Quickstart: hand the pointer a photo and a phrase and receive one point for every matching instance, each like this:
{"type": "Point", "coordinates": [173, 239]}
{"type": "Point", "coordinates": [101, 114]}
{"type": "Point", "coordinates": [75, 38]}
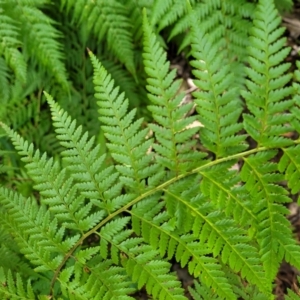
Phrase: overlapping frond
{"type": "Point", "coordinates": [273, 232]}
{"type": "Point", "coordinates": [4, 79]}
{"type": "Point", "coordinates": [37, 233]}
{"type": "Point", "coordinates": [12, 286]}
{"type": "Point", "coordinates": [289, 163]}
{"type": "Point", "coordinates": [218, 103]}
{"type": "Point", "coordinates": [158, 229]}
{"type": "Point", "coordinates": [175, 14]}
{"type": "Point", "coordinates": [82, 159]}
{"type": "Point", "coordinates": [173, 128]}
{"type": "Point", "coordinates": [55, 186]}
{"type": "Point", "coordinates": [99, 279]}
{"type": "Point", "coordinates": [10, 41]}
{"type": "Point", "coordinates": [159, 9]}
{"type": "Point", "coordinates": [267, 99]}
{"type": "Point", "coordinates": [128, 142]}
{"type": "Point", "coordinates": [226, 22]}
{"type": "Point", "coordinates": [220, 234]}
{"type": "Point", "coordinates": [141, 262]}
{"type": "Point", "coordinates": [182, 188]}
{"type": "Point", "coordinates": [223, 187]}
{"type": "Point", "coordinates": [267, 83]}
{"type": "Point", "coordinates": [42, 42]}
{"type": "Point", "coordinates": [109, 21]}
{"type": "Point", "coordinates": [32, 38]}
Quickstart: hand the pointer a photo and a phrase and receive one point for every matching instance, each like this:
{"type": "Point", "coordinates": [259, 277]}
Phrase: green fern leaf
{"type": "Point", "coordinates": [223, 187]}
{"type": "Point", "coordinates": [127, 145]}
{"type": "Point", "coordinates": [61, 195]}
{"type": "Point", "coordinates": [273, 233]}
{"type": "Point", "coordinates": [218, 102]}
{"type": "Point", "coordinates": [41, 40]}
{"type": "Point", "coordinates": [267, 81]}
{"type": "Point", "coordinates": [289, 164]}
{"type": "Point", "coordinates": [108, 20]}
{"type": "Point", "coordinates": [157, 229]}
{"type": "Point", "coordinates": [173, 129]}
{"type": "Point", "coordinates": [220, 234]}
{"type": "Point", "coordinates": [10, 41]}
{"type": "Point", "coordinates": [11, 288]}
{"type": "Point", "coordinates": [37, 234]}
{"type": "Point", "coordinates": [83, 161]}
{"type": "Point", "coordinates": [101, 281]}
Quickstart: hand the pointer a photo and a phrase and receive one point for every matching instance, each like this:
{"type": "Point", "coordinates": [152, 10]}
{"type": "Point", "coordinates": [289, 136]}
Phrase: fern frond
{"type": "Point", "coordinates": [273, 231]}
{"type": "Point", "coordinates": [227, 23]}
{"type": "Point", "coordinates": [173, 130]}
{"type": "Point", "coordinates": [11, 288]}
{"type": "Point", "coordinates": [141, 262]}
{"type": "Point", "coordinates": [292, 295]}
{"type": "Point", "coordinates": [284, 5]}
{"type": "Point", "coordinates": [99, 280]}
{"type": "Point", "coordinates": [35, 231]}
{"type": "Point", "coordinates": [11, 258]}
{"type": "Point", "coordinates": [58, 192]}
{"type": "Point", "coordinates": [267, 80]}
{"type": "Point", "coordinates": [174, 15]}
{"type": "Point", "coordinates": [201, 292]}
{"type": "Point", "coordinates": [9, 42]}
{"type": "Point", "coordinates": [135, 8]}
{"type": "Point", "coordinates": [218, 102]}
{"type": "Point", "coordinates": [221, 235]}
{"type": "Point", "coordinates": [289, 163]}
{"type": "Point", "coordinates": [83, 160]}
{"type": "Point", "coordinates": [159, 9]}
{"type": "Point", "coordinates": [223, 187]}
{"type": "Point", "coordinates": [109, 21]}
{"type": "Point", "coordinates": [4, 79]}
{"type": "Point", "coordinates": [40, 40]}
{"type": "Point", "coordinates": [157, 228]}
{"type": "Point", "coordinates": [128, 146]}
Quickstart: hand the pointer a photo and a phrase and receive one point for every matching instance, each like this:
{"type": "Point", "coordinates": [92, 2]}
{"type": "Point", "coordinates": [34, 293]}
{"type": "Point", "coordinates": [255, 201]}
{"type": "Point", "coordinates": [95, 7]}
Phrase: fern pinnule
{"type": "Point", "coordinates": [9, 42]}
{"type": "Point", "coordinates": [174, 148]}
{"type": "Point", "coordinates": [223, 188]}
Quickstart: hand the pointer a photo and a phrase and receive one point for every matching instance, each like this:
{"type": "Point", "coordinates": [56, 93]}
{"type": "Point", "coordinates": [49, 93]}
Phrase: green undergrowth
{"type": "Point", "coordinates": [109, 174]}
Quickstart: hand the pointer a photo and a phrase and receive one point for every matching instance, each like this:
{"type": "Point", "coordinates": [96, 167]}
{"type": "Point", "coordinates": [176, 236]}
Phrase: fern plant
{"type": "Point", "coordinates": [108, 216]}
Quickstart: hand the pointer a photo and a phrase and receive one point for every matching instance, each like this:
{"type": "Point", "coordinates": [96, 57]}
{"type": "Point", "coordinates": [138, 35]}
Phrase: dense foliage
{"type": "Point", "coordinates": [109, 174]}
